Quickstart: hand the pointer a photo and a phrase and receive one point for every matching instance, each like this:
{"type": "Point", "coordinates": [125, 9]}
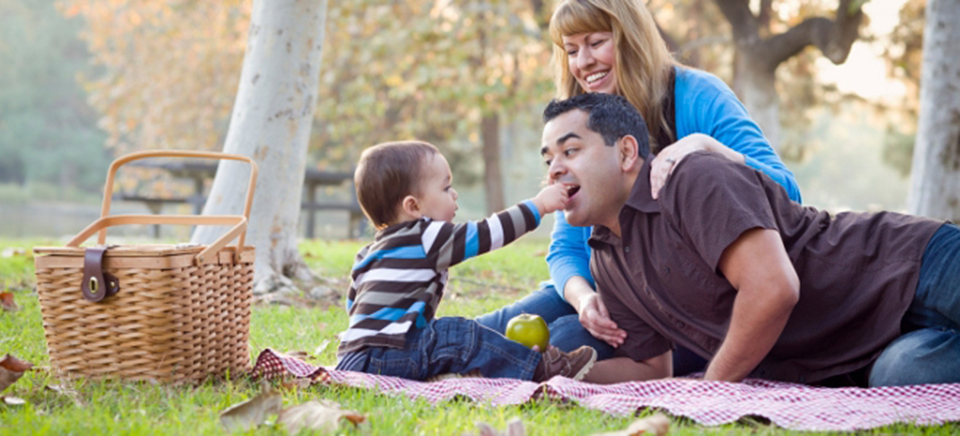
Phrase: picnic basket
{"type": "Point", "coordinates": [165, 313]}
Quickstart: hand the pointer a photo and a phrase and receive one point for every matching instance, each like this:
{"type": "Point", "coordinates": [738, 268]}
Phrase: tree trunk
{"type": "Point", "coordinates": [755, 84]}
{"type": "Point", "coordinates": [757, 56]}
{"type": "Point", "coordinates": [935, 176]}
{"type": "Point", "coordinates": [492, 177]}
{"type": "Point", "coordinates": [271, 122]}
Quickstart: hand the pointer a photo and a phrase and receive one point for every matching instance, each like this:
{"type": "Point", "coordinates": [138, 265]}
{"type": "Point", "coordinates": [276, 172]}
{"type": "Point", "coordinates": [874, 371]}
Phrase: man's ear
{"type": "Point", "coordinates": [628, 152]}
{"type": "Point", "coordinates": [411, 206]}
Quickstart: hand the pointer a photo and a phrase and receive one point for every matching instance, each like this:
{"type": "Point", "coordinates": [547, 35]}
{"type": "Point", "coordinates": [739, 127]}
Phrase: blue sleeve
{"type": "Point", "coordinates": [569, 254]}
{"type": "Point", "coordinates": [707, 105]}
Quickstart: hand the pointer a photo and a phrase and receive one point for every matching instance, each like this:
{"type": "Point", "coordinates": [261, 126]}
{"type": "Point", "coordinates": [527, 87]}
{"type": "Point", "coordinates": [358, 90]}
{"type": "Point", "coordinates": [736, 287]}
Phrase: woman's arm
{"type": "Point", "coordinates": [706, 105]}
{"type": "Point", "coordinates": [569, 254]}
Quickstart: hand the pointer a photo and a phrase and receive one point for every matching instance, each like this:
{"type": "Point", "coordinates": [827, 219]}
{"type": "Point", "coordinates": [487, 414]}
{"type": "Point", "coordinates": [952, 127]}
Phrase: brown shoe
{"type": "Point", "coordinates": [574, 364]}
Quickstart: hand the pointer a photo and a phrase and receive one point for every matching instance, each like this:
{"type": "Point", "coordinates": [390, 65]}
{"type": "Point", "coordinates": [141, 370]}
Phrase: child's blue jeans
{"type": "Point", "coordinates": [447, 345]}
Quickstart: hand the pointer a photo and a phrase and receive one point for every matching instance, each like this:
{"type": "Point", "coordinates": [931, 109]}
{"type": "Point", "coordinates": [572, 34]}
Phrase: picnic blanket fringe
{"type": "Point", "coordinates": [791, 406]}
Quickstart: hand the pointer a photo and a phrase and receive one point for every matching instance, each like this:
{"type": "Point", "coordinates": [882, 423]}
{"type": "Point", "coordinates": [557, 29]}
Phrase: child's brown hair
{"type": "Point", "coordinates": [386, 174]}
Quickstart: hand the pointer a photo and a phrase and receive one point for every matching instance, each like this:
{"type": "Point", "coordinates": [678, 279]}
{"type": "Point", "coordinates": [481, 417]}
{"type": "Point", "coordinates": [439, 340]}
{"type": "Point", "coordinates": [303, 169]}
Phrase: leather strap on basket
{"type": "Point", "coordinates": [97, 284]}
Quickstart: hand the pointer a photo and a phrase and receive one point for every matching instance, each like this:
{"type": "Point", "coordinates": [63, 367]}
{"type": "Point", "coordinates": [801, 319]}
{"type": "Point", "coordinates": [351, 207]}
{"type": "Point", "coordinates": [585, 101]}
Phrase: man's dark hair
{"type": "Point", "coordinates": [610, 115]}
{"type": "Point", "coordinates": [386, 174]}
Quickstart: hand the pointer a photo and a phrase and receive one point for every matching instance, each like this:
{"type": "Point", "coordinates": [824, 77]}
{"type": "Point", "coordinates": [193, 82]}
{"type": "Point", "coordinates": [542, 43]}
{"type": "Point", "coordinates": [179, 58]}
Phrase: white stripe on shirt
{"type": "Point", "coordinates": [430, 235]}
{"type": "Point", "coordinates": [496, 232]}
{"type": "Point", "coordinates": [395, 275]}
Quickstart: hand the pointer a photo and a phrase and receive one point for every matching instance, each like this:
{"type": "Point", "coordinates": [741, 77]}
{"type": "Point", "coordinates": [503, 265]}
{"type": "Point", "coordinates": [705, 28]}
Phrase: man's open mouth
{"type": "Point", "coordinates": [572, 190]}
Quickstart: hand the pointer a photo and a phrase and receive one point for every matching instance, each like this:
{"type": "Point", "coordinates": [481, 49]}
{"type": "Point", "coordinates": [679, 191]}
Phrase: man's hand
{"type": "Point", "coordinates": [757, 265]}
{"type": "Point", "coordinates": [552, 198]}
{"type": "Point", "coordinates": [593, 314]}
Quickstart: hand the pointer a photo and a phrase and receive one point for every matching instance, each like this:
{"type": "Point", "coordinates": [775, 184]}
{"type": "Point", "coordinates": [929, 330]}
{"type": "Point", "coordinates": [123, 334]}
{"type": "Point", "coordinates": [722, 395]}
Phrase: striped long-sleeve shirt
{"type": "Point", "coordinates": [398, 280]}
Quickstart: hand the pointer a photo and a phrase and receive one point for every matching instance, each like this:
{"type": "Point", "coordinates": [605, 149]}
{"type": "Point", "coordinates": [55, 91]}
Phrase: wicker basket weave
{"type": "Point", "coordinates": [182, 312]}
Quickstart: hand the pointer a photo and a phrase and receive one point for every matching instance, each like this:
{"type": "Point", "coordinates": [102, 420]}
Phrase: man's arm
{"type": "Point", "coordinates": [757, 265]}
{"type": "Point", "coordinates": [624, 369]}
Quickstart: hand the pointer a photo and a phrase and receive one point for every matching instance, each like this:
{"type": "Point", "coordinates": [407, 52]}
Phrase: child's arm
{"type": "Point", "coordinates": [455, 243]}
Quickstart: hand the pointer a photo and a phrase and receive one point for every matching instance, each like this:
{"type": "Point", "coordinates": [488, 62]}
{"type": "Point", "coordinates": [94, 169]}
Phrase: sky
{"type": "Point", "coordinates": [865, 73]}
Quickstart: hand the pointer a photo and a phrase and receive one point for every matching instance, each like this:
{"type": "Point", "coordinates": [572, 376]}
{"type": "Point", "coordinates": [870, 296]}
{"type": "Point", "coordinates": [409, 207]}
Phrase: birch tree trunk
{"type": "Point", "coordinates": [271, 122]}
{"type": "Point", "coordinates": [935, 176]}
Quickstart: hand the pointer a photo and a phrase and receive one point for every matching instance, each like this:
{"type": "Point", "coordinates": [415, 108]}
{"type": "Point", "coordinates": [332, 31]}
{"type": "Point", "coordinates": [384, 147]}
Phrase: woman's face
{"type": "Point", "coordinates": [591, 57]}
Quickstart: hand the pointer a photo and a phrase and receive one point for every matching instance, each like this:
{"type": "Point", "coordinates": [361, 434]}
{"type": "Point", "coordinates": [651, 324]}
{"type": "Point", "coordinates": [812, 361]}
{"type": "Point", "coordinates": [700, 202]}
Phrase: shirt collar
{"type": "Point", "coordinates": [640, 198]}
{"type": "Point", "coordinates": [389, 230]}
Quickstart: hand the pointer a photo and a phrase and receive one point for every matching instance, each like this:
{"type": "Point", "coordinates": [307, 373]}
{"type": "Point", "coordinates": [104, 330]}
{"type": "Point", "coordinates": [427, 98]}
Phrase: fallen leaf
{"type": "Point", "coordinates": [69, 393]}
{"type": "Point", "coordinates": [251, 413]}
{"type": "Point", "coordinates": [658, 425]}
{"type": "Point", "coordinates": [514, 428]}
{"type": "Point", "coordinates": [11, 369]}
{"type": "Point", "coordinates": [317, 415]}
{"type": "Point", "coordinates": [322, 347]}
{"type": "Point", "coordinates": [14, 401]}
{"type": "Point", "coordinates": [6, 300]}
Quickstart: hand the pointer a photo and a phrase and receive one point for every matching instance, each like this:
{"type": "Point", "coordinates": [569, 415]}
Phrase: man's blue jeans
{"type": "Point", "coordinates": [566, 332]}
{"type": "Point", "coordinates": [929, 351]}
{"type": "Point", "coordinates": [447, 345]}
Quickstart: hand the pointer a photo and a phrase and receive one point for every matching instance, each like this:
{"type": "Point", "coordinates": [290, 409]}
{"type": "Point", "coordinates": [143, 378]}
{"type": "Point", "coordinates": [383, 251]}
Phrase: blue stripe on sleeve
{"type": "Point", "coordinates": [533, 208]}
{"type": "Point", "coordinates": [409, 252]}
{"type": "Point", "coordinates": [472, 242]}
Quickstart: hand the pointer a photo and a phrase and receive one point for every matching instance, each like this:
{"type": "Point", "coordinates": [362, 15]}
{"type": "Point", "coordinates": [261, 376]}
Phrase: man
{"type": "Point", "coordinates": [726, 265]}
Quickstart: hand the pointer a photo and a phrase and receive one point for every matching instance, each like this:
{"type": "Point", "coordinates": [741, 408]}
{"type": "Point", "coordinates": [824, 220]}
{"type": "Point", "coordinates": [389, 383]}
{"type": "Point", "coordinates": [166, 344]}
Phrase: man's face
{"type": "Point", "coordinates": [578, 158]}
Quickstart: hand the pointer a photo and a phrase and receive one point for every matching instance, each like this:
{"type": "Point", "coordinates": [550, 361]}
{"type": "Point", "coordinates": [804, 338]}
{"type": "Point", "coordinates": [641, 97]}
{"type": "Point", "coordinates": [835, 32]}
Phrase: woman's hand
{"type": "Point", "coordinates": [668, 159]}
{"type": "Point", "coordinates": [595, 318]}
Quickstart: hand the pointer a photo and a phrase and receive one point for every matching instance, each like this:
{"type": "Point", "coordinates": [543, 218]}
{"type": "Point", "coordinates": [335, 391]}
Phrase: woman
{"type": "Point", "coordinates": [613, 46]}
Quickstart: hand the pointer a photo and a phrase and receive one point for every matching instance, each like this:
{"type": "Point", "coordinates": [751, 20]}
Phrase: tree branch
{"type": "Point", "coordinates": [742, 21]}
{"type": "Point", "coordinates": [766, 11]}
{"type": "Point", "coordinates": [833, 37]}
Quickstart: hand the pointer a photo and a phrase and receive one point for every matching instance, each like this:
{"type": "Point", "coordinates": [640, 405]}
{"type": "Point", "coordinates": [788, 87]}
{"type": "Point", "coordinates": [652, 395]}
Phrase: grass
{"type": "Point", "coordinates": [480, 285]}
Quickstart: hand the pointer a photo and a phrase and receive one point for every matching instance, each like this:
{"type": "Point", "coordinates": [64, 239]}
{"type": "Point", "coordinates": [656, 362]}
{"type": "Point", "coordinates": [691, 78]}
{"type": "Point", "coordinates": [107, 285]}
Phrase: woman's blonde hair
{"type": "Point", "coordinates": [642, 64]}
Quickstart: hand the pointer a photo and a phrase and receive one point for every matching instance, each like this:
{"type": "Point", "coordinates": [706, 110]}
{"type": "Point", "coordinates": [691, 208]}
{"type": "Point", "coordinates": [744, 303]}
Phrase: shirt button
{"type": "Point", "coordinates": [803, 379]}
{"type": "Point", "coordinates": [626, 249]}
{"type": "Point", "coordinates": [681, 324]}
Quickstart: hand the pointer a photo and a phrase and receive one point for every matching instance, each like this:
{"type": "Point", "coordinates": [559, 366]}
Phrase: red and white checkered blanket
{"type": "Point", "coordinates": [791, 406]}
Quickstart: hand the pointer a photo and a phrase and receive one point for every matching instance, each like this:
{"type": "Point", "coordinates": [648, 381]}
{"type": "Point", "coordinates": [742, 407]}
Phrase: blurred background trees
{"type": "Point", "coordinates": [467, 75]}
{"type": "Point", "coordinates": [48, 132]}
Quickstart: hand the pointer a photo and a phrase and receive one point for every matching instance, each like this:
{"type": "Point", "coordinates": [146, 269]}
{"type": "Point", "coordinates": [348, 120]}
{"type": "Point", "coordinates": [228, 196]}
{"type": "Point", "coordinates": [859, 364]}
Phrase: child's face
{"type": "Point", "coordinates": [438, 199]}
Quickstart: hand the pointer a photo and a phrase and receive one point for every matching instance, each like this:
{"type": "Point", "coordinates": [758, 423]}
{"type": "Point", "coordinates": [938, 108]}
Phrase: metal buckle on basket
{"type": "Point", "coordinates": [97, 284]}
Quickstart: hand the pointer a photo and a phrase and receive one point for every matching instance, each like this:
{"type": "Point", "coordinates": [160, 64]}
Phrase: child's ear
{"type": "Point", "coordinates": [411, 206]}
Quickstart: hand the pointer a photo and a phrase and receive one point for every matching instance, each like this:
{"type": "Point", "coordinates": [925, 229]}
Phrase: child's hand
{"type": "Point", "coordinates": [552, 198]}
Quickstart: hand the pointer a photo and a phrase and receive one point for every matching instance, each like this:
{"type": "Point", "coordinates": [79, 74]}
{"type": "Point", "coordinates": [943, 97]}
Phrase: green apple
{"type": "Point", "coordinates": [529, 329]}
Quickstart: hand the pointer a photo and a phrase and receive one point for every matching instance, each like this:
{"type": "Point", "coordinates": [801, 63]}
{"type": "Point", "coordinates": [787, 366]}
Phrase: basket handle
{"type": "Point", "coordinates": [111, 174]}
{"type": "Point", "coordinates": [239, 227]}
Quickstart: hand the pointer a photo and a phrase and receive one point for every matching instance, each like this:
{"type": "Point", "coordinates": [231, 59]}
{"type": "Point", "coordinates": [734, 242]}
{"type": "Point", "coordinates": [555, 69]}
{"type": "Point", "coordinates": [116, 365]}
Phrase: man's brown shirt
{"type": "Point", "coordinates": [660, 282]}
